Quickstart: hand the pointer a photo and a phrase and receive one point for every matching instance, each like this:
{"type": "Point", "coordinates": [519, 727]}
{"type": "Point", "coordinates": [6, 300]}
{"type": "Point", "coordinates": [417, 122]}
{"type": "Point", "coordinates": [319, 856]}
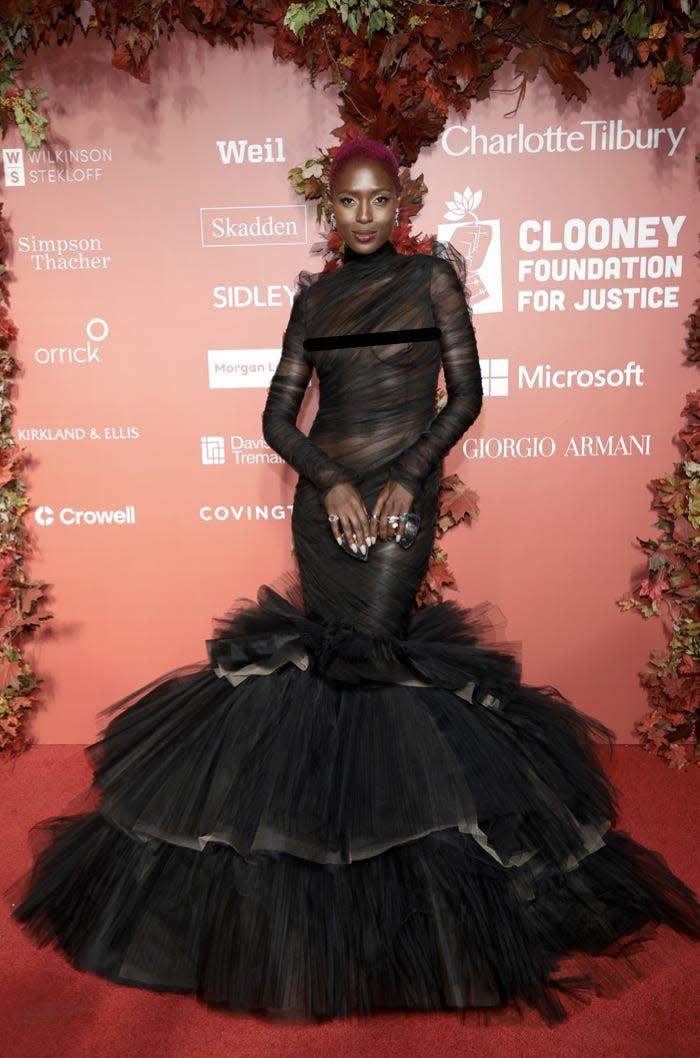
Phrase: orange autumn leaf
{"type": "Point", "coordinates": [529, 62]}
{"type": "Point", "coordinates": [212, 10]}
{"type": "Point", "coordinates": [124, 60]}
{"type": "Point", "coordinates": [657, 31]}
{"type": "Point", "coordinates": [669, 100]}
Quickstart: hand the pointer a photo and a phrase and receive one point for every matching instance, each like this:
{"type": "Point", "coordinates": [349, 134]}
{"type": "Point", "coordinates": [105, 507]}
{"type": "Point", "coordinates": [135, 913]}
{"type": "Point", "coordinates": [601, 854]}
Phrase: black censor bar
{"type": "Point", "coordinates": [353, 341]}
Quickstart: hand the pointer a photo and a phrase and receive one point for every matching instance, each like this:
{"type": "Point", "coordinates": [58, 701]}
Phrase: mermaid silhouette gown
{"type": "Point", "coordinates": [351, 807]}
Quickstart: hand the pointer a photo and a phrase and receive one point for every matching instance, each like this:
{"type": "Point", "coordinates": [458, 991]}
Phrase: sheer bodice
{"type": "Point", "coordinates": [376, 417]}
{"type": "Point", "coordinates": [376, 401]}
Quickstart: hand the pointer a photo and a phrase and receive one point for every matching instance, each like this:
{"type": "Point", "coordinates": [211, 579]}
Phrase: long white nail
{"type": "Point", "coordinates": [397, 538]}
{"type": "Point", "coordinates": [363, 549]}
{"type": "Point", "coordinates": [339, 541]}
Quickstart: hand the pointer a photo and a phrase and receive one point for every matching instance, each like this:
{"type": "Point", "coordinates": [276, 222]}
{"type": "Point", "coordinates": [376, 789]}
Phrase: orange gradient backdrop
{"type": "Point", "coordinates": [191, 237]}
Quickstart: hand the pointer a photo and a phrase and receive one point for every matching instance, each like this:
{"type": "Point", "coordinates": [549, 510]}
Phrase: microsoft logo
{"type": "Point", "coordinates": [494, 377]}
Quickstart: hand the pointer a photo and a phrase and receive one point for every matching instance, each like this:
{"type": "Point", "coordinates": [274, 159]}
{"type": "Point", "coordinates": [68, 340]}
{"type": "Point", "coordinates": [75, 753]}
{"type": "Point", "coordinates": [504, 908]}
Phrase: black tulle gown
{"type": "Point", "coordinates": [352, 808]}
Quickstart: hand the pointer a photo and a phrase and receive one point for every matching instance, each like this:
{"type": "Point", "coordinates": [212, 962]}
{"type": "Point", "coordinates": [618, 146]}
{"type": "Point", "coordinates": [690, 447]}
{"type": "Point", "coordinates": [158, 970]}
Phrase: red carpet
{"type": "Point", "coordinates": [48, 1009]}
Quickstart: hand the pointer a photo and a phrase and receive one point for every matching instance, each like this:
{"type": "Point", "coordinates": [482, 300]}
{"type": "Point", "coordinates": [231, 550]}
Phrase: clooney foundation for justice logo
{"type": "Point", "coordinates": [479, 242]}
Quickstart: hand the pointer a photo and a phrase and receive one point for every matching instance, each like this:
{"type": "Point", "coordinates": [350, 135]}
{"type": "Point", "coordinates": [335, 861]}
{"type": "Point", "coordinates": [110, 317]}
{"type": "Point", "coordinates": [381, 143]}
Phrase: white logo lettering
{"type": "Point", "coordinates": [618, 238]}
{"type": "Point", "coordinates": [13, 165]}
{"type": "Point", "coordinates": [67, 165]}
{"type": "Point", "coordinates": [64, 255]}
{"type": "Point", "coordinates": [479, 241]}
{"type": "Point", "coordinates": [72, 516]}
{"type": "Point", "coordinates": [283, 225]}
{"type": "Point", "coordinates": [609, 446]}
{"type": "Point", "coordinates": [509, 447]}
{"type": "Point", "coordinates": [269, 152]}
{"type": "Point", "coordinates": [245, 512]}
{"type": "Point", "coordinates": [96, 331]}
{"type": "Point", "coordinates": [78, 433]}
{"type": "Point", "coordinates": [543, 376]}
{"type": "Point", "coordinates": [600, 233]}
{"type": "Point", "coordinates": [546, 447]}
{"type": "Point", "coordinates": [273, 296]}
{"type": "Point", "coordinates": [44, 516]}
{"type": "Point", "coordinates": [494, 377]}
{"type": "Point", "coordinates": [601, 135]}
{"type": "Point", "coordinates": [242, 368]}
{"type": "Point", "coordinates": [213, 450]}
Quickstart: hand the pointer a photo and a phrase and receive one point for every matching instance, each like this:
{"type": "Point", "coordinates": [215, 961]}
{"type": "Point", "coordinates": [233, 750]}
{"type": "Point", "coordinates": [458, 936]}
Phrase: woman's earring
{"type": "Point", "coordinates": [396, 216]}
{"type": "Point", "coordinates": [333, 223]}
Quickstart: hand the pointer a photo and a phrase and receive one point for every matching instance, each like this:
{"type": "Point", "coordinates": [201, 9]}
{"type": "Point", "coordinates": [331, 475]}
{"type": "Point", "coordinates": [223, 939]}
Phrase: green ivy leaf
{"type": "Point", "coordinates": [299, 16]}
{"type": "Point", "coordinates": [636, 25]}
{"type": "Point", "coordinates": [376, 22]}
{"type": "Point", "coordinates": [354, 20]}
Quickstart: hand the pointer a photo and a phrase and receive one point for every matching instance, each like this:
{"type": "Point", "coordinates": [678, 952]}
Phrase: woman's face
{"type": "Point", "coordinates": [364, 202]}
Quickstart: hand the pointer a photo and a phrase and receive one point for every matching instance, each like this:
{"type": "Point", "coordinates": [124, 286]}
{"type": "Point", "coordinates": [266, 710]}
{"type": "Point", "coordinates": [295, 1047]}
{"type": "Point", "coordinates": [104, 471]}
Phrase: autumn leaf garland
{"type": "Point", "coordinates": [399, 66]}
{"type": "Point", "coordinates": [20, 598]}
{"type": "Point", "coordinates": [671, 590]}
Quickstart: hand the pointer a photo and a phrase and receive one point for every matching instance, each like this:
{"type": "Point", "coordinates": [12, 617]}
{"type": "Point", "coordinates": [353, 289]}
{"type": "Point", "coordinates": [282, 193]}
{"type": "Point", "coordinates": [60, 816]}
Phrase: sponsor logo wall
{"type": "Point", "coordinates": [165, 278]}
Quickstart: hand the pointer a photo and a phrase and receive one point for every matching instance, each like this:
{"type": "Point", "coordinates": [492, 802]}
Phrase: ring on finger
{"type": "Point", "coordinates": [333, 518]}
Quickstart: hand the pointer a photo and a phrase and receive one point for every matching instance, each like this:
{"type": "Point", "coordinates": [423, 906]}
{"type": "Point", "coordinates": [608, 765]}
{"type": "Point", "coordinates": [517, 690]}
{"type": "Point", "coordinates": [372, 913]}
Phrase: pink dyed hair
{"type": "Point", "coordinates": [365, 150]}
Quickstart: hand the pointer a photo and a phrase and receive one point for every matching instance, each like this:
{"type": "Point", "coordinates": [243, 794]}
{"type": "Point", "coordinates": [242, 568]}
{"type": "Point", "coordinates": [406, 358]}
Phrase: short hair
{"type": "Point", "coordinates": [366, 150]}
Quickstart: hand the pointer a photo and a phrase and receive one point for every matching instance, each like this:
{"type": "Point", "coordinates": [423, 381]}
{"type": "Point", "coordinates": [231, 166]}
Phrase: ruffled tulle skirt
{"type": "Point", "coordinates": [323, 822]}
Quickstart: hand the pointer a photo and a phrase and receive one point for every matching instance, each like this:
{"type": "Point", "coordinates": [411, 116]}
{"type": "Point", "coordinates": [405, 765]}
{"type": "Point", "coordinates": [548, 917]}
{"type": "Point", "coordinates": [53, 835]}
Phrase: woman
{"type": "Point", "coordinates": [354, 808]}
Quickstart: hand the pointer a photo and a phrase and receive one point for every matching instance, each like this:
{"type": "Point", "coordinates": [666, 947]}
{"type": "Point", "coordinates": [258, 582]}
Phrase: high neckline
{"type": "Point", "coordinates": [385, 251]}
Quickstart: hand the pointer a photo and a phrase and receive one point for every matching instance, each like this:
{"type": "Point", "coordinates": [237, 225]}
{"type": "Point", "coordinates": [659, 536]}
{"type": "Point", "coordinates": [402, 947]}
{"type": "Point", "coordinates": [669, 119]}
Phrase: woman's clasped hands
{"type": "Point", "coordinates": [351, 523]}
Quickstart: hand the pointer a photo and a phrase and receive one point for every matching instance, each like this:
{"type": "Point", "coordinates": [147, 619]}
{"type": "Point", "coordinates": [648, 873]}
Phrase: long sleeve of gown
{"type": "Point", "coordinates": [462, 379]}
{"type": "Point", "coordinates": [284, 399]}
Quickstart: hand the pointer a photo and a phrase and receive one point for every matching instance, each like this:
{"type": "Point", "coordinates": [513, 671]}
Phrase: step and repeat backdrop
{"type": "Point", "coordinates": [156, 244]}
